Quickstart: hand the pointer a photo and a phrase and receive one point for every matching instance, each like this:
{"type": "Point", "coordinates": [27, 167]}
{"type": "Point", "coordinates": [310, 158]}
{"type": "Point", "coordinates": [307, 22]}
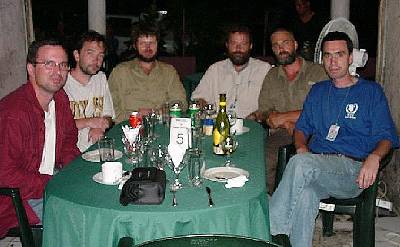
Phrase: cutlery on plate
{"type": "Point", "coordinates": [174, 203]}
{"type": "Point", "coordinates": [210, 201]}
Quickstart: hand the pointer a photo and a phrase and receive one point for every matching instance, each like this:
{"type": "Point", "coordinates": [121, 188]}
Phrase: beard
{"type": "Point", "coordinates": [89, 70]}
{"type": "Point", "coordinates": [289, 59]}
{"type": "Point", "coordinates": [147, 59]}
{"type": "Point", "coordinates": [239, 58]}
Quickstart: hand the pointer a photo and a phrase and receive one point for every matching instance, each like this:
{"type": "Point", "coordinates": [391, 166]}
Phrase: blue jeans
{"type": "Point", "coordinates": [307, 179]}
{"type": "Point", "coordinates": [37, 206]}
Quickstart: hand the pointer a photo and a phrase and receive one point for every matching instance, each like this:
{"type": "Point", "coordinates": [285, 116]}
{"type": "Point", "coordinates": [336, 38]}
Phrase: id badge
{"type": "Point", "coordinates": [333, 132]}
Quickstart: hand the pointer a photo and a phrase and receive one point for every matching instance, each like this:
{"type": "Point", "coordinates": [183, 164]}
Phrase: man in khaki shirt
{"type": "Point", "coordinates": [284, 90]}
{"type": "Point", "coordinates": [145, 82]}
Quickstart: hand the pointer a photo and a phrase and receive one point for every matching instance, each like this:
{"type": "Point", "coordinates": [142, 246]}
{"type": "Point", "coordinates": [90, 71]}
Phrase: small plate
{"type": "Point", "coordinates": [94, 156]}
{"type": "Point", "coordinates": [98, 177]}
{"type": "Point", "coordinates": [244, 130]}
{"type": "Point", "coordinates": [222, 174]}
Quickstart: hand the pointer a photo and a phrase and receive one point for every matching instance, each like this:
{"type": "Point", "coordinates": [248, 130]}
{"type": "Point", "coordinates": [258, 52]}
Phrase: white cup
{"type": "Point", "coordinates": [111, 171]}
{"type": "Point", "coordinates": [238, 126]}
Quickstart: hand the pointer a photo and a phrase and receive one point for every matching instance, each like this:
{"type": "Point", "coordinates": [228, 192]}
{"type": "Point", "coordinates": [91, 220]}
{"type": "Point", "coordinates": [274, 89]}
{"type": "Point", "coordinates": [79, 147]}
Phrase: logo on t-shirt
{"type": "Point", "coordinates": [351, 110]}
{"type": "Point", "coordinates": [85, 109]}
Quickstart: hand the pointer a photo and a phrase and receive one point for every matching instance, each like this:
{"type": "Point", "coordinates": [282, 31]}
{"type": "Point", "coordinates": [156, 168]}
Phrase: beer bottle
{"type": "Point", "coordinates": [221, 126]}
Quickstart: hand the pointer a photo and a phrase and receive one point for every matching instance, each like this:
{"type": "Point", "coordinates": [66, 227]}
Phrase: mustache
{"type": "Point", "coordinates": [238, 53]}
{"type": "Point", "coordinates": [283, 53]}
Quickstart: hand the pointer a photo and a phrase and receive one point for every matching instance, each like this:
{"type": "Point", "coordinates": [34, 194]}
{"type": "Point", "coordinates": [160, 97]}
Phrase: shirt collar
{"type": "Point", "coordinates": [230, 65]}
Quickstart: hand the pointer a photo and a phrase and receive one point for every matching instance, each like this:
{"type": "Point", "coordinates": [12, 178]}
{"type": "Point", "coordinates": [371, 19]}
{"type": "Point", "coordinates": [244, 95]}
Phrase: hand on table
{"type": "Point", "coordinates": [95, 134]}
{"type": "Point", "coordinates": [99, 123]}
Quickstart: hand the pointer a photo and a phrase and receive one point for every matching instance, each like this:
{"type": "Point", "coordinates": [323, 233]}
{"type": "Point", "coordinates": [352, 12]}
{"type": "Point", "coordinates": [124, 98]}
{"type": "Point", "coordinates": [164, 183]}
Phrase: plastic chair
{"type": "Point", "coordinates": [361, 208]}
{"type": "Point", "coordinates": [202, 241]}
{"type": "Point", "coordinates": [30, 236]}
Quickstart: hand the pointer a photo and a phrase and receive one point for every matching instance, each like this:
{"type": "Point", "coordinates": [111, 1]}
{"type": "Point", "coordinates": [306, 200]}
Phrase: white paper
{"type": "Point", "coordinates": [176, 152]}
{"type": "Point", "coordinates": [180, 132]}
{"type": "Point", "coordinates": [237, 182]}
{"type": "Point", "coordinates": [130, 133]}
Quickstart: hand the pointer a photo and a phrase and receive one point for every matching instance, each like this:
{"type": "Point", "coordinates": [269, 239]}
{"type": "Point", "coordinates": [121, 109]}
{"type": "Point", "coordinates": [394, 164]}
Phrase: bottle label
{"type": "Point", "coordinates": [218, 138]}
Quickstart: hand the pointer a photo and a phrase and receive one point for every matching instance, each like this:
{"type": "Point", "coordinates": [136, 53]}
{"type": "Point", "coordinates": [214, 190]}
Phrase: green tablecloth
{"type": "Point", "coordinates": [81, 212]}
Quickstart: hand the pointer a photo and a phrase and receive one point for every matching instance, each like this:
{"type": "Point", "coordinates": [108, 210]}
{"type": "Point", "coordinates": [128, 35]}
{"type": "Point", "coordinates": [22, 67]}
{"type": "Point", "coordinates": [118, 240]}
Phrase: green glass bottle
{"type": "Point", "coordinates": [221, 126]}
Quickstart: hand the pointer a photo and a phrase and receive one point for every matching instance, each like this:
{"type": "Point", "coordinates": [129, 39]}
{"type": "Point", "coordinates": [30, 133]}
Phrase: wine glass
{"type": "Point", "coordinates": [133, 151]}
{"type": "Point", "coordinates": [176, 168]}
{"type": "Point", "coordinates": [229, 146]}
{"type": "Point", "coordinates": [157, 156]}
{"type": "Point", "coordinates": [231, 114]}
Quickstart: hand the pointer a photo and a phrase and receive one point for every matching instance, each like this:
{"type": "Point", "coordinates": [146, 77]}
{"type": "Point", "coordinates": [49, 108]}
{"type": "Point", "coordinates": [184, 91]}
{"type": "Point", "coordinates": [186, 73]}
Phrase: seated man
{"type": "Point", "coordinates": [87, 89]}
{"type": "Point", "coordinates": [282, 95]}
{"type": "Point", "coordinates": [239, 76]}
{"type": "Point", "coordinates": [38, 133]}
{"type": "Point", "coordinates": [144, 82]}
{"type": "Point", "coordinates": [348, 123]}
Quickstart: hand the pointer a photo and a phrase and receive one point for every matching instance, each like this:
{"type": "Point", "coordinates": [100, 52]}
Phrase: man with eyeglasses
{"type": "Point", "coordinates": [239, 76]}
{"type": "Point", "coordinates": [144, 83]}
{"type": "Point", "coordinates": [282, 95]}
{"type": "Point", "coordinates": [88, 92]}
{"type": "Point", "coordinates": [38, 133]}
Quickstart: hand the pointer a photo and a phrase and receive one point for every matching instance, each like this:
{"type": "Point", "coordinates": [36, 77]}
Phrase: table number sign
{"type": "Point", "coordinates": [180, 132]}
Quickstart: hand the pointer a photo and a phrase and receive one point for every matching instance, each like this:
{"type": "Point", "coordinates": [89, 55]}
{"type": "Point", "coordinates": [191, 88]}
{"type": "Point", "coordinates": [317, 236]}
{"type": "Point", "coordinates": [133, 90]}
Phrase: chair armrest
{"type": "Point", "coordinates": [284, 154]}
{"type": "Point", "coordinates": [385, 160]}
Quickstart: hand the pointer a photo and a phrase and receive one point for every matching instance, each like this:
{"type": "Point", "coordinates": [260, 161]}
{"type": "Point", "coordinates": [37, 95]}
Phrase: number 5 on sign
{"type": "Point", "coordinates": [180, 132]}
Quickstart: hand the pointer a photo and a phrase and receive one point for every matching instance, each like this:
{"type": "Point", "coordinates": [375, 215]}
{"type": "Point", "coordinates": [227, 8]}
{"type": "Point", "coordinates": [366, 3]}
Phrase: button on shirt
{"type": "Point", "coordinates": [241, 88]}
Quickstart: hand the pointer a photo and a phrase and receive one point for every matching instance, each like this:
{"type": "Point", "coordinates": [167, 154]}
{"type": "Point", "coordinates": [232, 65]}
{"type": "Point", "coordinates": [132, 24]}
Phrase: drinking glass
{"type": "Point", "coordinates": [149, 123]}
{"type": "Point", "coordinates": [133, 151]}
{"type": "Point", "coordinates": [196, 163]}
{"type": "Point", "coordinates": [106, 149]}
{"type": "Point", "coordinates": [157, 156]}
{"type": "Point", "coordinates": [229, 146]}
{"type": "Point", "coordinates": [231, 114]}
{"type": "Point", "coordinates": [177, 168]}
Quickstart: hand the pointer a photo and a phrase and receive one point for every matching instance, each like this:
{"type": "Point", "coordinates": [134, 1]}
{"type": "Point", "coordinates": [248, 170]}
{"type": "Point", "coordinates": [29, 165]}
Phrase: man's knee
{"type": "Point", "coordinates": [303, 164]}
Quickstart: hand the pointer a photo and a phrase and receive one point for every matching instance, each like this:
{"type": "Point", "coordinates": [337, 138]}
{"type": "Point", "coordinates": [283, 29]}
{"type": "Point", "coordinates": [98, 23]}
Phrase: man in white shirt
{"type": "Point", "coordinates": [88, 92]}
{"type": "Point", "coordinates": [239, 76]}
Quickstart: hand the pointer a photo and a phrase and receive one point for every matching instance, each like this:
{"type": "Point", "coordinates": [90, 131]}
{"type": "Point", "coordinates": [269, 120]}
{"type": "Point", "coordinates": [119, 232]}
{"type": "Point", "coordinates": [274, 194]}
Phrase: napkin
{"type": "Point", "coordinates": [131, 134]}
{"type": "Point", "coordinates": [236, 182]}
{"type": "Point", "coordinates": [176, 152]}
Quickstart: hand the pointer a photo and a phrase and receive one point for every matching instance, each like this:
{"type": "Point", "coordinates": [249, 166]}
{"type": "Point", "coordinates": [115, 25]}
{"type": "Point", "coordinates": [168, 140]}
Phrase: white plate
{"type": "Point", "coordinates": [94, 156]}
{"type": "Point", "coordinates": [222, 174]}
{"type": "Point", "coordinates": [244, 130]}
{"type": "Point", "coordinates": [98, 177]}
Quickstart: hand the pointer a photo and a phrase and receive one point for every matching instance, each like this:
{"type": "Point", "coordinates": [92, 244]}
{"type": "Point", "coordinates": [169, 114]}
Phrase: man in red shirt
{"type": "Point", "coordinates": [38, 133]}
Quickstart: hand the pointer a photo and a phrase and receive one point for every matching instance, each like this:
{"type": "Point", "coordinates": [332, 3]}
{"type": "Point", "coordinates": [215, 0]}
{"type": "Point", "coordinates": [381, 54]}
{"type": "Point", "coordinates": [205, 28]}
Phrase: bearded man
{"type": "Point", "coordinates": [144, 83]}
{"type": "Point", "coordinates": [239, 76]}
{"type": "Point", "coordinates": [282, 95]}
{"type": "Point", "coordinates": [87, 90]}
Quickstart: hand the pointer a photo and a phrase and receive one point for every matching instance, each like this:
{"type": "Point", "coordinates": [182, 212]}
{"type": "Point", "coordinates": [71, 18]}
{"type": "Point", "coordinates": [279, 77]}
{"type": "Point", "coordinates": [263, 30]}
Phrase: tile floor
{"type": "Point", "coordinates": [387, 234]}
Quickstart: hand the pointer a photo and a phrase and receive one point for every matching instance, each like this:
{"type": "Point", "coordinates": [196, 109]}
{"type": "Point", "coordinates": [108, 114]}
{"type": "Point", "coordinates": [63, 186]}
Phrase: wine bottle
{"type": "Point", "coordinates": [221, 126]}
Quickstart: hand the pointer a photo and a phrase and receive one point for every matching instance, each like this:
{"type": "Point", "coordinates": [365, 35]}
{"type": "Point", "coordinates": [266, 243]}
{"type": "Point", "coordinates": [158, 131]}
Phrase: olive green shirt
{"type": "Point", "coordinates": [279, 94]}
{"type": "Point", "coordinates": [132, 89]}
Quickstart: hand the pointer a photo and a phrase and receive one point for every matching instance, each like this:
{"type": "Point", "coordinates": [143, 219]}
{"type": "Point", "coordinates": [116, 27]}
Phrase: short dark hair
{"type": "Point", "coordinates": [35, 45]}
{"type": "Point", "coordinates": [333, 36]}
{"type": "Point", "coordinates": [283, 29]}
{"type": "Point", "coordinates": [145, 29]}
{"type": "Point", "coordinates": [238, 28]}
{"type": "Point", "coordinates": [89, 36]}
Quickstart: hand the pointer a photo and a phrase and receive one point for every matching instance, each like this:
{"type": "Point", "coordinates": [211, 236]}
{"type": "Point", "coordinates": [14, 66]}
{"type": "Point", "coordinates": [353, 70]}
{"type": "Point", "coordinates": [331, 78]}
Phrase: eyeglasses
{"type": "Point", "coordinates": [51, 65]}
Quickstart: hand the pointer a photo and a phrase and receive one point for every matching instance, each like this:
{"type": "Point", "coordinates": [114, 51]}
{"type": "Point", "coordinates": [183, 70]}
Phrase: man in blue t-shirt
{"type": "Point", "coordinates": [343, 132]}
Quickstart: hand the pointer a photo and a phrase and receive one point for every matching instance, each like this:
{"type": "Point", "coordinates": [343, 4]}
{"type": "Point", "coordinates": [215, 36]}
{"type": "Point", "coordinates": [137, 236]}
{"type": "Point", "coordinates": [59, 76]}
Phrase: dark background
{"type": "Point", "coordinates": [205, 21]}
